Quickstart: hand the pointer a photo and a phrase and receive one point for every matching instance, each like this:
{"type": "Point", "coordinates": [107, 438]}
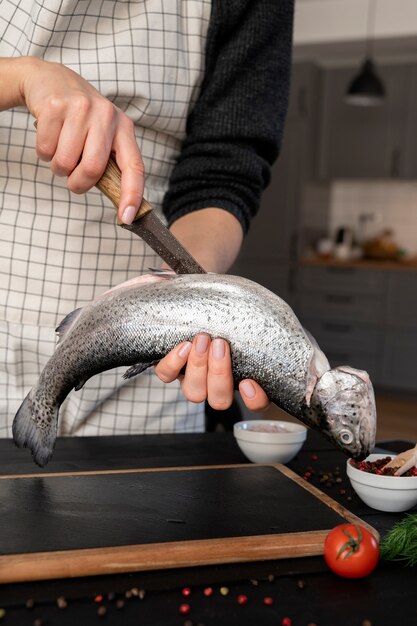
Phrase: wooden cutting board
{"type": "Point", "coordinates": [89, 523]}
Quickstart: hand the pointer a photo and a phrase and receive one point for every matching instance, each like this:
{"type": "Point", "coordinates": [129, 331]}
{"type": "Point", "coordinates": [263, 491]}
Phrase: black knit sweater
{"type": "Point", "coordinates": [235, 129]}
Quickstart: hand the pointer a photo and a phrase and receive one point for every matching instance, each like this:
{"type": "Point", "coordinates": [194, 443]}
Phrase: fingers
{"type": "Point", "coordinates": [78, 129]}
{"type": "Point", "coordinates": [220, 383]}
{"type": "Point", "coordinates": [129, 160]}
{"type": "Point", "coordinates": [169, 368]}
{"type": "Point", "coordinates": [253, 395]}
{"type": "Point", "coordinates": [194, 384]}
{"type": "Point", "coordinates": [208, 374]}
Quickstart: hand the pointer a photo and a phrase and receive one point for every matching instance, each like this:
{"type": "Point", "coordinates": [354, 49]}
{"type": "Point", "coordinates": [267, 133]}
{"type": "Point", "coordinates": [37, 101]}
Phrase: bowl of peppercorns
{"type": "Point", "coordinates": [379, 488]}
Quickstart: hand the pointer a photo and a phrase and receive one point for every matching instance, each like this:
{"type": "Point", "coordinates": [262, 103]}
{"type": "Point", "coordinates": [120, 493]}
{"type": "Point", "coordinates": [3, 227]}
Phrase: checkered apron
{"type": "Point", "coordinates": [59, 250]}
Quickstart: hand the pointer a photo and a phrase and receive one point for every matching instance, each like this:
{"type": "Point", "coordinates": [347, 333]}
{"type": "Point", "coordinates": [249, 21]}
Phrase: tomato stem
{"type": "Point", "coordinates": [352, 545]}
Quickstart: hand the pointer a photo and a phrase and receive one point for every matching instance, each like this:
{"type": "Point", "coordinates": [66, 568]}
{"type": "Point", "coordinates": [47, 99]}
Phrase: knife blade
{"type": "Point", "coordinates": [149, 226]}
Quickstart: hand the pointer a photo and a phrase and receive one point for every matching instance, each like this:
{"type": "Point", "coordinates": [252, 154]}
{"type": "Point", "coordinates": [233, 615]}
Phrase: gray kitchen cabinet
{"type": "Point", "coordinates": [410, 148]}
{"type": "Point", "coordinates": [269, 251]}
{"type": "Point", "coordinates": [344, 309]}
{"type": "Point", "coordinates": [364, 318]}
{"type": "Point", "coordinates": [365, 142]}
{"type": "Point", "coordinates": [398, 366]}
{"type": "Point", "coordinates": [400, 346]}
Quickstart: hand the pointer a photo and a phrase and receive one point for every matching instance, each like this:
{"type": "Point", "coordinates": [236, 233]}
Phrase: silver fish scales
{"type": "Point", "coordinates": [139, 322]}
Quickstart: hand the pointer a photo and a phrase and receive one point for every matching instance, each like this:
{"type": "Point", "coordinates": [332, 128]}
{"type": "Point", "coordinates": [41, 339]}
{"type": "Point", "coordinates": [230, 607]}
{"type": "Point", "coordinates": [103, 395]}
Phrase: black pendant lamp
{"type": "Point", "coordinates": [366, 88]}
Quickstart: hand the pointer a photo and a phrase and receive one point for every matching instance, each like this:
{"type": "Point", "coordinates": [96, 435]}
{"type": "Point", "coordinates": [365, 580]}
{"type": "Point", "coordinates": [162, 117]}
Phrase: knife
{"type": "Point", "coordinates": [148, 226]}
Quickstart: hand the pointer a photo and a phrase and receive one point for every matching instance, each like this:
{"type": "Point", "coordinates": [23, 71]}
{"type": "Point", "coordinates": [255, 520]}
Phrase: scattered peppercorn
{"type": "Point", "coordinates": [242, 599]}
{"type": "Point", "coordinates": [208, 591]}
{"type": "Point", "coordinates": [184, 609]}
{"type": "Point", "coordinates": [271, 578]}
{"type": "Point", "coordinates": [120, 604]}
{"type": "Point", "coordinates": [111, 596]}
{"type": "Point", "coordinates": [2, 613]}
{"type": "Point", "coordinates": [98, 598]}
{"type": "Point", "coordinates": [366, 622]}
{"type": "Point", "coordinates": [254, 582]}
{"type": "Point", "coordinates": [301, 584]}
{"type": "Point", "coordinates": [30, 603]}
{"type": "Point", "coordinates": [141, 594]}
{"type": "Point", "coordinates": [224, 591]}
{"type": "Point", "coordinates": [61, 602]}
{"type": "Point", "coordinates": [38, 622]}
{"type": "Point", "coordinates": [186, 592]}
{"type": "Point", "coordinates": [101, 611]}
{"type": "Point", "coordinates": [268, 601]}
{"type": "Point", "coordinates": [286, 621]}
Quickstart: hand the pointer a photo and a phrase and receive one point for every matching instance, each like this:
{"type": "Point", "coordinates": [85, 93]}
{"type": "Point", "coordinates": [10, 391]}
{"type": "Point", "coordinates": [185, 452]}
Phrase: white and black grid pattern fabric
{"type": "Point", "coordinates": [58, 250]}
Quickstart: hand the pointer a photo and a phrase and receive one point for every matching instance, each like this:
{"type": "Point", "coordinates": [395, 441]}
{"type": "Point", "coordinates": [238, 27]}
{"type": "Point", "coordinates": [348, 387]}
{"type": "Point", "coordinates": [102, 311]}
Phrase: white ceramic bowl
{"type": "Point", "coordinates": [269, 447]}
{"type": "Point", "coordinates": [384, 493]}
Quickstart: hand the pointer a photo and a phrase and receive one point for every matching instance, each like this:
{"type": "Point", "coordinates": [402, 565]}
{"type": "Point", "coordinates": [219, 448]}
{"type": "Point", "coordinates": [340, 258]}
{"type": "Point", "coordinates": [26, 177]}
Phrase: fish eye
{"type": "Point", "coordinates": [346, 436]}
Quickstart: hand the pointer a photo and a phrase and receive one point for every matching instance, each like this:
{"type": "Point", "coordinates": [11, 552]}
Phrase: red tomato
{"type": "Point", "coordinates": [351, 551]}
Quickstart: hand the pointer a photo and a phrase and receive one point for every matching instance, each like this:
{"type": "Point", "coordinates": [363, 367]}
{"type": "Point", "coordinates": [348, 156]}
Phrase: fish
{"type": "Point", "coordinates": [137, 323]}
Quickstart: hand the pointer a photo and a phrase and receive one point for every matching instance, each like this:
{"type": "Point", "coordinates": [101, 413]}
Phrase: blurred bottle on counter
{"type": "Point", "coordinates": [343, 244]}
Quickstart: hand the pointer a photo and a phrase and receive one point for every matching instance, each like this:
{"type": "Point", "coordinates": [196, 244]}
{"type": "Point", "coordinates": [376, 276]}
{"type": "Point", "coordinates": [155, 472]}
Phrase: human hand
{"type": "Point", "coordinates": [78, 129]}
{"type": "Point", "coordinates": [208, 374]}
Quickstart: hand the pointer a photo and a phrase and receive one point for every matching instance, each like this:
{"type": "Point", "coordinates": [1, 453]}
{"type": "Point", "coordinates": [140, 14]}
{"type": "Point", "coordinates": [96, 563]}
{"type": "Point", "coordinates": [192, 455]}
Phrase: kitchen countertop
{"type": "Point", "coordinates": [405, 265]}
{"type": "Point", "coordinates": [302, 589]}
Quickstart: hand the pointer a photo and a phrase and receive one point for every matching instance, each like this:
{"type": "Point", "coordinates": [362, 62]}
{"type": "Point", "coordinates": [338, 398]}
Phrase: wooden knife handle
{"type": "Point", "coordinates": [109, 184]}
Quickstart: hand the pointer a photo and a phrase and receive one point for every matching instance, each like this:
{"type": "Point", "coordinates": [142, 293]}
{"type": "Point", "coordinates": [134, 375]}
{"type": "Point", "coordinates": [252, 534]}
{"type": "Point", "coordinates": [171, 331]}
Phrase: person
{"type": "Point", "coordinates": [190, 97]}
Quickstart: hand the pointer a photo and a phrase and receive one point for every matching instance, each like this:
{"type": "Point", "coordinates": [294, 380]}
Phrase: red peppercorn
{"type": "Point", "coordinates": [186, 592]}
{"type": "Point", "coordinates": [184, 609]}
{"type": "Point", "coordinates": [314, 457]}
{"type": "Point", "coordinates": [242, 599]}
{"type": "Point", "coordinates": [208, 591]}
{"type": "Point", "coordinates": [286, 621]}
{"type": "Point", "coordinates": [98, 598]}
{"type": "Point", "coordinates": [268, 601]}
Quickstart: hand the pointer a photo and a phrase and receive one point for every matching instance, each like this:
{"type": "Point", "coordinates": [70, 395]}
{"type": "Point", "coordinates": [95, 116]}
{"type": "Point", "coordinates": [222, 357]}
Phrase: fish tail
{"type": "Point", "coordinates": [37, 434]}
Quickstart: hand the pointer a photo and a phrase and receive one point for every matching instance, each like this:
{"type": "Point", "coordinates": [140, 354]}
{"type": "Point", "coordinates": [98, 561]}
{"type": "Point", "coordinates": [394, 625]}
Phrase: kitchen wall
{"type": "Point", "coordinates": [365, 206]}
{"type": "Point", "coordinates": [386, 205]}
{"type": "Point", "coordinates": [327, 21]}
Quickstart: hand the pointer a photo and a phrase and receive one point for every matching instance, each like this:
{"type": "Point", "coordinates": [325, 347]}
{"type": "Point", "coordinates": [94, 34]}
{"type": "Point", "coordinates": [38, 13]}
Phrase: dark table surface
{"type": "Point", "coordinates": [302, 589]}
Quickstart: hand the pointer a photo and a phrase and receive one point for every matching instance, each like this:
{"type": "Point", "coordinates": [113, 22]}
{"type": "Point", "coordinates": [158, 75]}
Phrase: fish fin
{"type": "Point", "coordinates": [138, 281]}
{"type": "Point", "coordinates": [317, 366]}
{"type": "Point", "coordinates": [163, 272]}
{"type": "Point", "coordinates": [67, 323]}
{"type": "Point", "coordinates": [138, 368]}
{"type": "Point", "coordinates": [81, 384]}
{"type": "Point", "coordinates": [27, 433]}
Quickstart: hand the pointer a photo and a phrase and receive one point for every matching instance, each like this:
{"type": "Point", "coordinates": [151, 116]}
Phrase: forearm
{"type": "Point", "coordinates": [213, 237]}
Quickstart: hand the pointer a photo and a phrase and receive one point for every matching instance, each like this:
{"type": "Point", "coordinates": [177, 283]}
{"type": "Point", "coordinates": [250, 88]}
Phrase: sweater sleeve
{"type": "Point", "coordinates": [234, 130]}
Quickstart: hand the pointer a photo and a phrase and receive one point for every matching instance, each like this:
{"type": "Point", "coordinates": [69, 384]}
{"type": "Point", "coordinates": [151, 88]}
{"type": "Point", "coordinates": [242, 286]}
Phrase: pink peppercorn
{"type": "Point", "coordinates": [268, 601]}
{"type": "Point", "coordinates": [242, 599]}
{"type": "Point", "coordinates": [186, 592]}
{"type": "Point", "coordinates": [208, 591]}
{"type": "Point", "coordinates": [184, 609]}
{"type": "Point", "coordinates": [286, 621]}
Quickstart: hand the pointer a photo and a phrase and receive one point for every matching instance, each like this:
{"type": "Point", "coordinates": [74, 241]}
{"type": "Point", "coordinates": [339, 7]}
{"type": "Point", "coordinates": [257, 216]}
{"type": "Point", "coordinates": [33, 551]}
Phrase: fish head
{"type": "Point", "coordinates": [344, 399]}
